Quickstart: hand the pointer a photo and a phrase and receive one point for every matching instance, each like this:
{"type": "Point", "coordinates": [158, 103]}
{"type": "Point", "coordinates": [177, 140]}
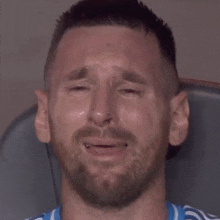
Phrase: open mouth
{"type": "Point", "coordinates": [100, 149]}
{"type": "Point", "coordinates": [89, 145]}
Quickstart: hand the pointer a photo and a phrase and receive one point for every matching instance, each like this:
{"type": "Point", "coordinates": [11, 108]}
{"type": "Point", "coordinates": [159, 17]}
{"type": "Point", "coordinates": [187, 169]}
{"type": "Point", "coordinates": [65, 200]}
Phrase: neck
{"type": "Point", "coordinates": [151, 205]}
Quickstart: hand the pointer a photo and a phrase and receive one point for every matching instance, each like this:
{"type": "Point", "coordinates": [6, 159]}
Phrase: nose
{"type": "Point", "coordinates": [102, 108]}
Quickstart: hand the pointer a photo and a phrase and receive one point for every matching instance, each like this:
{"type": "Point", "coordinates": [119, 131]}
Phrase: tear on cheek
{"type": "Point", "coordinates": [81, 114]}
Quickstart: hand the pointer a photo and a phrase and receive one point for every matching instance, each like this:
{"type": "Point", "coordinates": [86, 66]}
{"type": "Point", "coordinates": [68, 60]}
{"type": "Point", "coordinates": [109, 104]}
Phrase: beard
{"type": "Point", "coordinates": [127, 188]}
{"type": "Point", "coordinates": [119, 189]}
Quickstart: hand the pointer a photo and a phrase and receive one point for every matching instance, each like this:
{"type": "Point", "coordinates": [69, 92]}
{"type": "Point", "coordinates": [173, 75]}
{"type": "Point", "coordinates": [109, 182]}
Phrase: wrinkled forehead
{"type": "Point", "coordinates": [99, 36]}
{"type": "Point", "coordinates": [101, 40]}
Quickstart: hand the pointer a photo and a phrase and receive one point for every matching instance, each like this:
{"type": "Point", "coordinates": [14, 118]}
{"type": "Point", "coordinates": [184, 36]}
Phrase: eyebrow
{"type": "Point", "coordinates": [77, 74]}
{"type": "Point", "coordinates": [132, 76]}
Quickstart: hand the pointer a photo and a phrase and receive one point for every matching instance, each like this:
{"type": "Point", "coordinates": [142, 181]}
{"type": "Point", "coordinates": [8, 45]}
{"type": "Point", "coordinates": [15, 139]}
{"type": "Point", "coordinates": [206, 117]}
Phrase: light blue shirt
{"type": "Point", "coordinates": [175, 212]}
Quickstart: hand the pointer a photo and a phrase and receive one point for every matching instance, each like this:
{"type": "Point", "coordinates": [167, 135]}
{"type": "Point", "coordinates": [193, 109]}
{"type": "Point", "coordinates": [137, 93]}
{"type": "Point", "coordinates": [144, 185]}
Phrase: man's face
{"type": "Point", "coordinates": [109, 120]}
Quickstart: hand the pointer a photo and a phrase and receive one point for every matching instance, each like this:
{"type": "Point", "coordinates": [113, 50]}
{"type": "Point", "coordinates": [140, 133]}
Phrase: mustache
{"type": "Point", "coordinates": [110, 132]}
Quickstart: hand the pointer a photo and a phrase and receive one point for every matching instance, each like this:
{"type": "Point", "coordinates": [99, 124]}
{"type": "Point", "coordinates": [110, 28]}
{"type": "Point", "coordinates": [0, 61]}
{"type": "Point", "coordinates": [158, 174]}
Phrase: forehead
{"type": "Point", "coordinates": [106, 47]}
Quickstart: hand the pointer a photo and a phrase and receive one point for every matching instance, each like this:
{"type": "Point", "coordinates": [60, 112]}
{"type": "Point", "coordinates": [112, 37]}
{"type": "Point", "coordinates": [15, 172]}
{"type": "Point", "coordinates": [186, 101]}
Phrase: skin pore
{"type": "Point", "coordinates": [106, 89]}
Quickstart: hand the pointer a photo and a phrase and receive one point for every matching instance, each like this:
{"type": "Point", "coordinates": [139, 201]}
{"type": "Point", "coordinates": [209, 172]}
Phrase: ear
{"type": "Point", "coordinates": [179, 118]}
{"type": "Point", "coordinates": [41, 120]}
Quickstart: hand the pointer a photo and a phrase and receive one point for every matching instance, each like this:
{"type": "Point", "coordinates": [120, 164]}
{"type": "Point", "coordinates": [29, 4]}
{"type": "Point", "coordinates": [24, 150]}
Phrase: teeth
{"type": "Point", "coordinates": [87, 145]}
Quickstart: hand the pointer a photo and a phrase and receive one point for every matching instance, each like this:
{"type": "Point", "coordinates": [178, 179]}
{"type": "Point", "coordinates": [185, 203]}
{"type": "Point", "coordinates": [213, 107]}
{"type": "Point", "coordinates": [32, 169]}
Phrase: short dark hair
{"type": "Point", "coordinates": [129, 13]}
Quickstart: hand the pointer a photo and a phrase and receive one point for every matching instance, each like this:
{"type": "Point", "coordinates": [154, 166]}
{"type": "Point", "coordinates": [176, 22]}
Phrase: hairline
{"type": "Point", "coordinates": [49, 63]}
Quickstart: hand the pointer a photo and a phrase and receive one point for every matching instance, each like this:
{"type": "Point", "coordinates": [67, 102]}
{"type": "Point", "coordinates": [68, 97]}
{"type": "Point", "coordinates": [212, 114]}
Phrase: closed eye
{"type": "Point", "coordinates": [78, 88]}
{"type": "Point", "coordinates": [130, 92]}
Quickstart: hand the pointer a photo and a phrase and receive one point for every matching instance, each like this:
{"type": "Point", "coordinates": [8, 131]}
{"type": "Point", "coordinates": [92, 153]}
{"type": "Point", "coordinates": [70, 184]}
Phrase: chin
{"type": "Point", "coordinates": [112, 190]}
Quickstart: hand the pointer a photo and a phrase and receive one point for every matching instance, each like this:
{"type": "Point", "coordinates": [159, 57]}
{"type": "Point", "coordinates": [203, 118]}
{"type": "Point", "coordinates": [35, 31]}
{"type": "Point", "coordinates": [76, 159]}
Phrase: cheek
{"type": "Point", "coordinates": [137, 117]}
{"type": "Point", "coordinates": [68, 115]}
{"type": "Point", "coordinates": [146, 120]}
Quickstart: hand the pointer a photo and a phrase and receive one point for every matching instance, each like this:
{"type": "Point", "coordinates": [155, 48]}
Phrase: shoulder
{"type": "Point", "coordinates": [192, 213]}
{"type": "Point", "coordinates": [52, 215]}
{"type": "Point", "coordinates": [186, 212]}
